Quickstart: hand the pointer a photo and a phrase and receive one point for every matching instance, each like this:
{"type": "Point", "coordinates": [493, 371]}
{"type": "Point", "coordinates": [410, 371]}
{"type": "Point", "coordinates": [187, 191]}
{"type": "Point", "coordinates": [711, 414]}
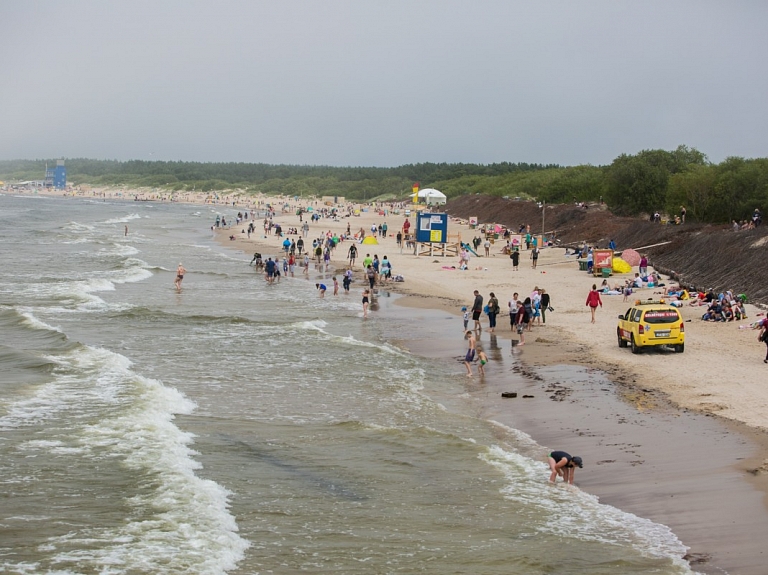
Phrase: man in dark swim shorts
{"type": "Point", "coordinates": [180, 271]}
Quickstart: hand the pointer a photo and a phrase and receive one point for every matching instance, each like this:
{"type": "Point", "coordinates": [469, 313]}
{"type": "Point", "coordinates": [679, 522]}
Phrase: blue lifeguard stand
{"type": "Point", "coordinates": [56, 177]}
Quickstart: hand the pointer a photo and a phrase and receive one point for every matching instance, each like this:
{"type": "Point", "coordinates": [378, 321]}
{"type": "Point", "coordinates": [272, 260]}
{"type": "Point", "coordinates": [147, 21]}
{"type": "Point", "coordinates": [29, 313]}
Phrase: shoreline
{"type": "Point", "coordinates": [666, 477]}
{"type": "Point", "coordinates": [643, 454]}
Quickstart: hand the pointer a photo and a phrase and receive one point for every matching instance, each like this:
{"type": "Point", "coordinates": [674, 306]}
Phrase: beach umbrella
{"type": "Point", "coordinates": [620, 266]}
{"type": "Point", "coordinates": [371, 241]}
{"type": "Point", "coordinates": [631, 257]}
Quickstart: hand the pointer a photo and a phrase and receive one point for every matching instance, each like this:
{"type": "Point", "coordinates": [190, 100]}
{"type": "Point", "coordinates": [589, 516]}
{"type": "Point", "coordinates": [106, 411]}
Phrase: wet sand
{"type": "Point", "coordinates": [687, 470]}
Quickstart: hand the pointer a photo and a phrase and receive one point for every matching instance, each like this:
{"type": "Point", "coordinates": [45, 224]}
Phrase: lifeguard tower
{"type": "Point", "coordinates": [56, 177]}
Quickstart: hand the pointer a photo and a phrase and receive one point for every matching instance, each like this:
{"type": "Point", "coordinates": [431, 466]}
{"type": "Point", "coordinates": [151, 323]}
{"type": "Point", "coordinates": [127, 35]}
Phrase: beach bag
{"type": "Point", "coordinates": [486, 309]}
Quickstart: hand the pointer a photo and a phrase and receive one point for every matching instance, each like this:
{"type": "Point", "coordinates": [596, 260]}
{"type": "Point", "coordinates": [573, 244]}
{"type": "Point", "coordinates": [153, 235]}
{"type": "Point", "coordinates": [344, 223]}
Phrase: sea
{"type": "Point", "coordinates": [235, 427]}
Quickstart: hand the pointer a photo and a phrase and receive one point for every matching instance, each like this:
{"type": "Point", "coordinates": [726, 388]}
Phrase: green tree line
{"type": "Point", "coordinates": [636, 184]}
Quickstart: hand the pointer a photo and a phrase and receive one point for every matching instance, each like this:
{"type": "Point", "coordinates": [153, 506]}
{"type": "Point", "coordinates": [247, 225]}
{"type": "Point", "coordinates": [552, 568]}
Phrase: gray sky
{"type": "Point", "coordinates": [382, 83]}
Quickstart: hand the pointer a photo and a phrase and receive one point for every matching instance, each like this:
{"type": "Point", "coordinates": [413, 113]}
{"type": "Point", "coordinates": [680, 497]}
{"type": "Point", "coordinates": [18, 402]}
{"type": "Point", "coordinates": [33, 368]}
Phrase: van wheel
{"type": "Point", "coordinates": [622, 342]}
{"type": "Point", "coordinates": [680, 348]}
{"type": "Point", "coordinates": [635, 348]}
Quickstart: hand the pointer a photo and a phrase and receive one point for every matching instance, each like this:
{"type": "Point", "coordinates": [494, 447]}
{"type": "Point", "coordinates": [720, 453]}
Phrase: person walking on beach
{"type": "Point", "coordinates": [520, 322]}
{"type": "Point", "coordinates": [477, 309]}
{"type": "Point", "coordinates": [534, 256]}
{"type": "Point", "coordinates": [180, 271]}
{"type": "Point", "coordinates": [564, 465]}
{"type": "Point", "coordinates": [545, 303]}
{"type": "Point", "coordinates": [493, 311]}
{"type": "Point", "coordinates": [593, 300]}
{"type": "Point", "coordinates": [352, 255]}
{"type": "Point", "coordinates": [512, 305]}
{"type": "Point", "coordinates": [515, 255]}
{"type": "Point", "coordinates": [366, 301]}
{"type": "Point", "coordinates": [469, 358]}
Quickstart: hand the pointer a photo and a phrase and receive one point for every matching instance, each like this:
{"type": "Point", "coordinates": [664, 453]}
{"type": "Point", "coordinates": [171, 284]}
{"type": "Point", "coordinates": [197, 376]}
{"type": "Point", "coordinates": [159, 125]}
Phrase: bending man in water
{"type": "Point", "coordinates": [563, 464]}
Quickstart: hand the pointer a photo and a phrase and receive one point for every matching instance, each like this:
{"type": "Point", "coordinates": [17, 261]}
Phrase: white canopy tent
{"type": "Point", "coordinates": [432, 196]}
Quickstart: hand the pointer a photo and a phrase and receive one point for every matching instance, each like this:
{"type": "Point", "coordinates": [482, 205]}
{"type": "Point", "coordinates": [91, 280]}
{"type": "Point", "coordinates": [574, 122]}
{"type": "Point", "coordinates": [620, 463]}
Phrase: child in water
{"type": "Point", "coordinates": [483, 359]}
{"type": "Point", "coordinates": [466, 317]}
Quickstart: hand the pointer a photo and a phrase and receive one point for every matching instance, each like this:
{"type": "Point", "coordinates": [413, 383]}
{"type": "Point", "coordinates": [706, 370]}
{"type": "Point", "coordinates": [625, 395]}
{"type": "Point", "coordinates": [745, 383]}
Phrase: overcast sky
{"type": "Point", "coordinates": [382, 82]}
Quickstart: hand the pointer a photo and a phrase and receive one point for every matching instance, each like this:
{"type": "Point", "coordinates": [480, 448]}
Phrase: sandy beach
{"type": "Point", "coordinates": [643, 423]}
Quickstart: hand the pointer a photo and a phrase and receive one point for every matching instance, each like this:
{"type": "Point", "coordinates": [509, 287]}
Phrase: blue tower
{"type": "Point", "coordinates": [60, 175]}
{"type": "Point", "coordinates": [56, 177]}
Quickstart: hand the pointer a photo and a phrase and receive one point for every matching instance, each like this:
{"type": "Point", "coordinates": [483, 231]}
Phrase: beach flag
{"type": "Point", "coordinates": [416, 193]}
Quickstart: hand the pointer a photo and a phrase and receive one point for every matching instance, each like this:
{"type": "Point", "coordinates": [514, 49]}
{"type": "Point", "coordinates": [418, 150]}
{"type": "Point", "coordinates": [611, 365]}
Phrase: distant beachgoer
{"type": "Point", "coordinates": [180, 271]}
{"type": "Point", "coordinates": [515, 255]}
{"type": "Point", "coordinates": [520, 322]}
{"type": "Point", "coordinates": [493, 311]}
{"type": "Point", "coordinates": [346, 281]}
{"type": "Point", "coordinates": [564, 465]}
{"type": "Point", "coordinates": [335, 286]}
{"type": "Point", "coordinates": [371, 273]}
{"type": "Point", "coordinates": [593, 300]}
{"type": "Point", "coordinates": [366, 301]}
{"type": "Point", "coordinates": [352, 255]}
{"type": "Point", "coordinates": [269, 270]}
{"type": "Point", "coordinates": [545, 304]}
{"type": "Point", "coordinates": [535, 256]}
{"type": "Point", "coordinates": [483, 359]}
{"type": "Point", "coordinates": [465, 316]}
{"type": "Point", "coordinates": [322, 289]}
{"type": "Point", "coordinates": [126, 229]}
{"type": "Point", "coordinates": [477, 309]}
{"type": "Point", "coordinates": [469, 358]}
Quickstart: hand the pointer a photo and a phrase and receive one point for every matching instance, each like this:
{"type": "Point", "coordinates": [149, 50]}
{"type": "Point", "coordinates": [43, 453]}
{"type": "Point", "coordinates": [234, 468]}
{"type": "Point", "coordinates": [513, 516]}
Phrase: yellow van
{"type": "Point", "coordinates": [651, 323]}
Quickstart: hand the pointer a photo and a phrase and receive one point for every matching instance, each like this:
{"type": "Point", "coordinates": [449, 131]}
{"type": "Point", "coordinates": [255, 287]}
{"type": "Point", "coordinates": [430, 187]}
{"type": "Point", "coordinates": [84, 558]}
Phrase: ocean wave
{"type": "Point", "coordinates": [115, 414]}
{"type": "Point", "coordinates": [123, 220]}
{"type": "Point", "coordinates": [78, 227]}
{"type": "Point", "coordinates": [318, 325]}
{"type": "Point", "coordinates": [33, 322]}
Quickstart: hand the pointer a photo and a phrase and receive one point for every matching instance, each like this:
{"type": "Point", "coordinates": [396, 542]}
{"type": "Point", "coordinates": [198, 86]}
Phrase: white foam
{"type": "Point", "coordinates": [31, 321]}
{"type": "Point", "coordinates": [318, 325]}
{"type": "Point", "coordinates": [78, 227]}
{"type": "Point", "coordinates": [123, 220]}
